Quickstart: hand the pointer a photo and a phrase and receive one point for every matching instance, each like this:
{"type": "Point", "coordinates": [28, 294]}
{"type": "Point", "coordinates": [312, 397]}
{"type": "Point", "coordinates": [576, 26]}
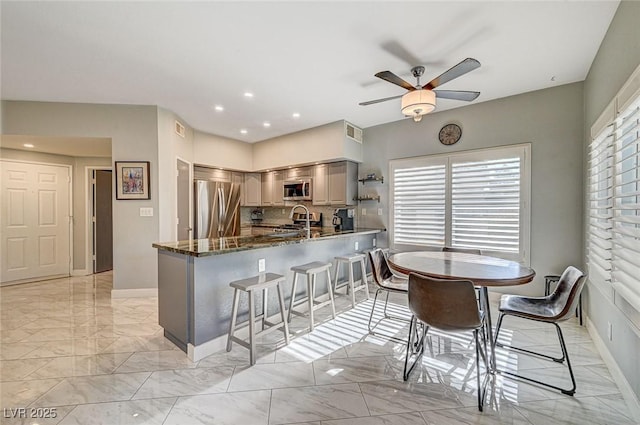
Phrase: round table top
{"type": "Point", "coordinates": [480, 269]}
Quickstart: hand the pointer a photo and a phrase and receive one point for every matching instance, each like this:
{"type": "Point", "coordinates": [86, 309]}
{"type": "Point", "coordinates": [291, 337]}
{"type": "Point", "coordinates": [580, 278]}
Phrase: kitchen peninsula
{"type": "Point", "coordinates": [194, 297]}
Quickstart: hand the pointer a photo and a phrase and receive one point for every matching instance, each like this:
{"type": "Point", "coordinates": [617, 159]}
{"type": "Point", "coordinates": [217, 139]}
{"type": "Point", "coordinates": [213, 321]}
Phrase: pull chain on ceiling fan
{"type": "Point", "coordinates": [420, 100]}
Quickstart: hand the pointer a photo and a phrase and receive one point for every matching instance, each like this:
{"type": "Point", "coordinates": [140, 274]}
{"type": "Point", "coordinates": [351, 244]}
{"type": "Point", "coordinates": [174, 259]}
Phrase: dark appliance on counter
{"type": "Point", "coordinates": [257, 215]}
{"type": "Point", "coordinates": [300, 218]}
{"type": "Point", "coordinates": [343, 219]}
{"type": "Point", "coordinates": [297, 190]}
{"type": "Point", "coordinates": [217, 209]}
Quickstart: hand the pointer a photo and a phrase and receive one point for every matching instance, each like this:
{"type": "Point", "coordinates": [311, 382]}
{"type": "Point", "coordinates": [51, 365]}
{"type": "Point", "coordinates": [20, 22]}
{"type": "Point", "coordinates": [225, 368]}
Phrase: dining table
{"type": "Point", "coordinates": [484, 271]}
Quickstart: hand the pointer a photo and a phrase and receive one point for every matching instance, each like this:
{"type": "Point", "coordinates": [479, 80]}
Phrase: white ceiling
{"type": "Point", "coordinates": [315, 58]}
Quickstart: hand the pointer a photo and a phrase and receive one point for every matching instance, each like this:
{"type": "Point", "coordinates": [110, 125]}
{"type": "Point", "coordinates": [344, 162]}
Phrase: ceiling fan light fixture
{"type": "Point", "coordinates": [417, 103]}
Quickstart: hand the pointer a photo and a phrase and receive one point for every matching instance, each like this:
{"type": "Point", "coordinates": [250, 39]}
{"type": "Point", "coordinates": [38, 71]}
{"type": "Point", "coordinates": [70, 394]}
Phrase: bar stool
{"type": "Point", "coordinates": [553, 279]}
{"type": "Point", "coordinates": [263, 281]}
{"type": "Point", "coordinates": [311, 270]}
{"type": "Point", "coordinates": [350, 260]}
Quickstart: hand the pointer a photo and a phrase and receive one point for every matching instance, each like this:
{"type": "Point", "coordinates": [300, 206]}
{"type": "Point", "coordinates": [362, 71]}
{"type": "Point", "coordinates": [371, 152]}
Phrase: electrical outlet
{"type": "Point", "coordinates": [379, 211]}
{"type": "Point", "coordinates": [364, 211]}
{"type": "Point", "coordinates": [357, 245]}
{"type": "Point", "coordinates": [610, 331]}
{"type": "Point", "coordinates": [262, 265]}
{"type": "Point", "coordinates": [374, 242]}
{"type": "Point", "coordinates": [283, 211]}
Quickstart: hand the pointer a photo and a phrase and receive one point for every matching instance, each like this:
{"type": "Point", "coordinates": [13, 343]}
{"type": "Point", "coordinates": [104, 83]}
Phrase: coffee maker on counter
{"type": "Point", "coordinates": [343, 219]}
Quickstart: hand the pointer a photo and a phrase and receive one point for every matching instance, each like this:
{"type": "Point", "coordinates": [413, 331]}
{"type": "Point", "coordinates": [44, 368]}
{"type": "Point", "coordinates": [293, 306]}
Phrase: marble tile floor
{"type": "Point", "coordinates": [67, 347]}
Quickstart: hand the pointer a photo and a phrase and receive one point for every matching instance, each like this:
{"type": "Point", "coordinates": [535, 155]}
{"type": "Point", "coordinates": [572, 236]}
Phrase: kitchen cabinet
{"type": "Point", "coordinates": [238, 178]}
{"type": "Point", "coordinates": [335, 183]}
{"type": "Point", "coordinates": [272, 188]}
{"type": "Point", "coordinates": [213, 174]}
{"type": "Point", "coordinates": [320, 183]}
{"type": "Point", "coordinates": [252, 190]}
{"type": "Point", "coordinates": [343, 183]}
{"type": "Point", "coordinates": [298, 172]}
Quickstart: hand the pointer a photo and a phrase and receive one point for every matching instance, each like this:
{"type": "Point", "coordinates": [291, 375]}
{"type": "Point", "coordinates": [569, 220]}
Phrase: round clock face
{"type": "Point", "coordinates": [450, 134]}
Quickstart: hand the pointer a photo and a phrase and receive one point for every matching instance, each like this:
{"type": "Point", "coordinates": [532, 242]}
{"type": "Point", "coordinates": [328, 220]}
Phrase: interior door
{"type": "Point", "coordinates": [102, 221]}
{"type": "Point", "coordinates": [183, 230]}
{"type": "Point", "coordinates": [34, 224]}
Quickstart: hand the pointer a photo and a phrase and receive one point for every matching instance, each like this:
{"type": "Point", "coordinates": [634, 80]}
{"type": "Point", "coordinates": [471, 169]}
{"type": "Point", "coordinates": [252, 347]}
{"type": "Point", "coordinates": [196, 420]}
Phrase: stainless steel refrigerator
{"type": "Point", "coordinates": [217, 209]}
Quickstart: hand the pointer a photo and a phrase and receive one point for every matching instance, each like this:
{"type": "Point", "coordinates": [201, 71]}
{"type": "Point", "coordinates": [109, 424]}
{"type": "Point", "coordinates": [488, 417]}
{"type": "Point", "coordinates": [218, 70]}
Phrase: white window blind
{"type": "Point", "coordinates": [625, 267]}
{"type": "Point", "coordinates": [485, 204]}
{"type": "Point", "coordinates": [601, 167]}
{"type": "Point", "coordinates": [419, 204]}
{"type": "Point", "coordinates": [474, 199]}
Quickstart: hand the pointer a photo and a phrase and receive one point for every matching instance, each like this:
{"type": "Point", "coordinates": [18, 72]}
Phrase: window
{"type": "Point", "coordinates": [476, 199]}
{"type": "Point", "coordinates": [614, 206]}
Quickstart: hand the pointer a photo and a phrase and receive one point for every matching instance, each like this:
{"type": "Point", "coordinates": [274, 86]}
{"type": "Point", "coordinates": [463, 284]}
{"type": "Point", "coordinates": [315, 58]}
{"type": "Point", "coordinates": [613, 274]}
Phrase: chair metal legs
{"type": "Point", "coordinates": [415, 345]}
{"type": "Point", "coordinates": [385, 315]}
{"type": "Point", "coordinates": [565, 356]}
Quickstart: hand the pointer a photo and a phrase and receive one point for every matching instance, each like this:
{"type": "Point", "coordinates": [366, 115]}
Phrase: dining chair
{"type": "Point", "coordinates": [450, 306]}
{"type": "Point", "coordinates": [554, 308]}
{"type": "Point", "coordinates": [386, 281]}
{"type": "Point", "coordinates": [465, 250]}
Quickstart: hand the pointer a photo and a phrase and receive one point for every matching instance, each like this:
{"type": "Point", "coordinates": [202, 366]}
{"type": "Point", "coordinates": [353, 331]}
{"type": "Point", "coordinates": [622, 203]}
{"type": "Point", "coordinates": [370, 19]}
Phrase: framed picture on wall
{"type": "Point", "coordinates": [132, 180]}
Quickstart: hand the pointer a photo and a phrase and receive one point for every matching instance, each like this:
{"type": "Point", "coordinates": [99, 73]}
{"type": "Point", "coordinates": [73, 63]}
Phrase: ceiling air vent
{"type": "Point", "coordinates": [353, 132]}
{"type": "Point", "coordinates": [179, 128]}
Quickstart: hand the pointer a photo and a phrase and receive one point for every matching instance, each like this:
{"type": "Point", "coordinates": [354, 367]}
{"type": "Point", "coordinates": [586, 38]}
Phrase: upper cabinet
{"type": "Point", "coordinates": [252, 190]}
{"type": "Point", "coordinates": [299, 172]}
{"type": "Point", "coordinates": [321, 184]}
{"type": "Point", "coordinates": [214, 174]}
{"type": "Point", "coordinates": [335, 183]}
{"type": "Point", "coordinates": [272, 188]}
{"type": "Point", "coordinates": [238, 178]}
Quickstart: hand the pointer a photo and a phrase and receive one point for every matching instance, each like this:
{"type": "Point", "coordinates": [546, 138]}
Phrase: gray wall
{"type": "Point", "coordinates": [551, 120]}
{"type": "Point", "coordinates": [617, 58]}
{"type": "Point", "coordinates": [134, 135]}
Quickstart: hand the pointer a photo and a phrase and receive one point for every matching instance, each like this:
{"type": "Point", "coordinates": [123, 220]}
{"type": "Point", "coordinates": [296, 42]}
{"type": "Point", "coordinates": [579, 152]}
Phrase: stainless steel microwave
{"type": "Point", "coordinates": [297, 190]}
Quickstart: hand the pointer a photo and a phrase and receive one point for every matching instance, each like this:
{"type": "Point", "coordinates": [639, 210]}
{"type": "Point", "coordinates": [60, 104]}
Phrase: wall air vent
{"type": "Point", "coordinates": [179, 128]}
{"type": "Point", "coordinates": [353, 132]}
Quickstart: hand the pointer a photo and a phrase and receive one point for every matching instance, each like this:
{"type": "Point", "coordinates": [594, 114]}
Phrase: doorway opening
{"type": "Point", "coordinates": [101, 199]}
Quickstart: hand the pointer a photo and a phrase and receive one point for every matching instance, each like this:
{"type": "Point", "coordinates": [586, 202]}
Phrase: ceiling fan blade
{"type": "Point", "coordinates": [456, 71]}
{"type": "Point", "coordinates": [394, 79]}
{"type": "Point", "coordinates": [398, 50]}
{"type": "Point", "coordinates": [457, 94]}
{"type": "Point", "coordinates": [371, 102]}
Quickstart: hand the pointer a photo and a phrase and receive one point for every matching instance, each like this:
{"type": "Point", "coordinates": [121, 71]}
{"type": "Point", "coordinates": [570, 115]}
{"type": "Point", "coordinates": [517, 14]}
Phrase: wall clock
{"type": "Point", "coordinates": [450, 134]}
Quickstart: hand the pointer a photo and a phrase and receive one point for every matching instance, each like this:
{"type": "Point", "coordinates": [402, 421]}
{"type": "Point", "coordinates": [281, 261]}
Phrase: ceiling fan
{"type": "Point", "coordinates": [420, 100]}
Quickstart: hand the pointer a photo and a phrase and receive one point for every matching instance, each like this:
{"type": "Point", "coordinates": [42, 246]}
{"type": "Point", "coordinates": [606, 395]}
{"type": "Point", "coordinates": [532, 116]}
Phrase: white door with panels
{"type": "Point", "coordinates": [35, 223]}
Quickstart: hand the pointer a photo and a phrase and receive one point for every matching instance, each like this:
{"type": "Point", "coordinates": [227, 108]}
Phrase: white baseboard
{"type": "Point", "coordinates": [134, 293]}
{"type": "Point", "coordinates": [197, 353]}
{"type": "Point", "coordinates": [81, 272]}
{"type": "Point", "coordinates": [627, 392]}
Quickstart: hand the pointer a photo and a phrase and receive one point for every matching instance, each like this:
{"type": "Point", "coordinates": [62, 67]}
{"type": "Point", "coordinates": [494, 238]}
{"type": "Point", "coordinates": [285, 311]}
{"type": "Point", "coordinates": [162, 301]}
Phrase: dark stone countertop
{"type": "Point", "coordinates": [217, 246]}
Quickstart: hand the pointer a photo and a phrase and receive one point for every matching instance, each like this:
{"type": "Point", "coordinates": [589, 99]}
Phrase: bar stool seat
{"type": "Point", "coordinates": [263, 282]}
{"type": "Point", "coordinates": [311, 271]}
{"type": "Point", "coordinates": [350, 260]}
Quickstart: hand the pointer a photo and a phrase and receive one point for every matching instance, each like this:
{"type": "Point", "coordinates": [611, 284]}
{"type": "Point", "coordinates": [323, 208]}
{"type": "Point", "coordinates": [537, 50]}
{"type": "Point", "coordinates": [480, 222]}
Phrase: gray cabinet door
{"type": "Point", "coordinates": [338, 183]}
{"type": "Point", "coordinates": [252, 190]}
{"type": "Point", "coordinates": [321, 184]}
{"type": "Point", "coordinates": [277, 187]}
{"type": "Point", "coordinates": [238, 178]}
{"type": "Point", "coordinates": [267, 189]}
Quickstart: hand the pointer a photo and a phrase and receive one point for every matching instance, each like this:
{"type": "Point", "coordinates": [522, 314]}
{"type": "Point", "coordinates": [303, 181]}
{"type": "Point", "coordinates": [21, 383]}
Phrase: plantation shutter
{"type": "Point", "coordinates": [419, 202]}
{"type": "Point", "coordinates": [626, 206]}
{"type": "Point", "coordinates": [485, 204]}
{"type": "Point", "coordinates": [601, 168]}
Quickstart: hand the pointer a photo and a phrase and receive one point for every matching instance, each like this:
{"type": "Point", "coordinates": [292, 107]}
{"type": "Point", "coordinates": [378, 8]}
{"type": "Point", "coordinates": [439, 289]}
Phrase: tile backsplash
{"type": "Point", "coordinates": [280, 215]}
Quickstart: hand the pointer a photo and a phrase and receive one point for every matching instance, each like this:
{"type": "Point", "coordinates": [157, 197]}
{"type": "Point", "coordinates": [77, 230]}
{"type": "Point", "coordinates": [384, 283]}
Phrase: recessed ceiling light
{"type": "Point", "coordinates": [248, 94]}
{"type": "Point", "coordinates": [243, 131]}
{"type": "Point", "coordinates": [219, 108]}
{"type": "Point", "coordinates": [28, 145]}
{"type": "Point", "coordinates": [295, 115]}
{"type": "Point", "coordinates": [266, 124]}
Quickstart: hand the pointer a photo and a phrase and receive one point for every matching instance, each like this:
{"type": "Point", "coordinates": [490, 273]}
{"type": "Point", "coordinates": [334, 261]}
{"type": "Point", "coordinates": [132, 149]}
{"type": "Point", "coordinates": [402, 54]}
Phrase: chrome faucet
{"type": "Point", "coordinates": [308, 225]}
